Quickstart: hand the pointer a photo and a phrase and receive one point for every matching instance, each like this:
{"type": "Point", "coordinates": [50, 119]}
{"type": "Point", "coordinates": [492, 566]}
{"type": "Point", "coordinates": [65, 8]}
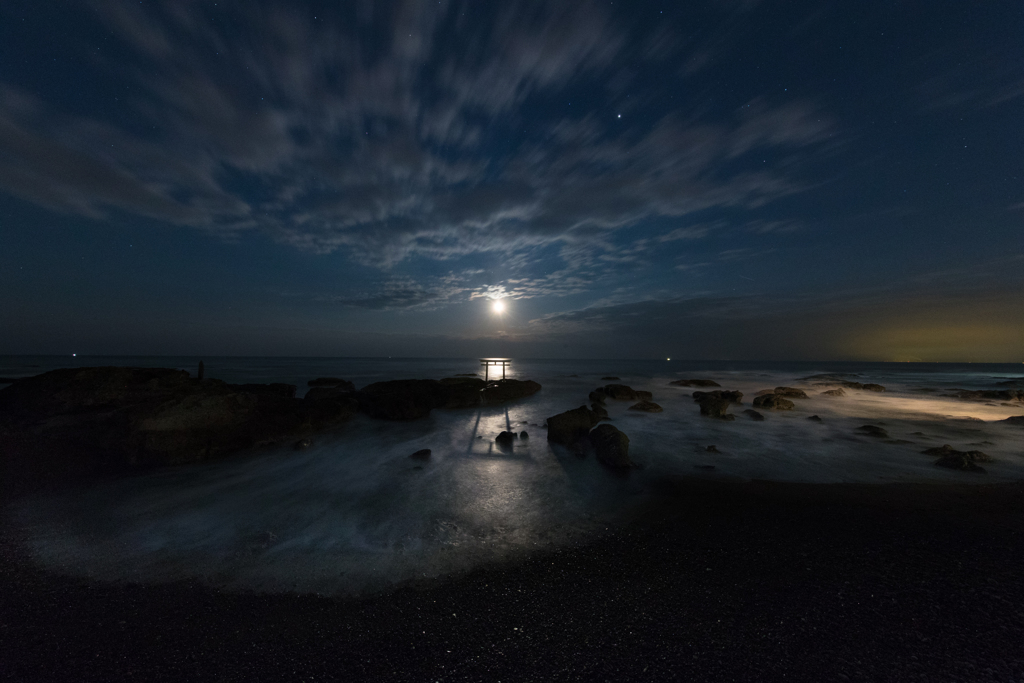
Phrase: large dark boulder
{"type": "Point", "coordinates": [81, 421]}
{"type": "Point", "coordinates": [716, 403]}
{"type": "Point", "coordinates": [620, 392]}
{"type": "Point", "coordinates": [504, 390]}
{"type": "Point", "coordinates": [463, 392]}
{"type": "Point", "coordinates": [611, 447]}
{"type": "Point", "coordinates": [572, 426]}
{"type": "Point", "coordinates": [773, 402]}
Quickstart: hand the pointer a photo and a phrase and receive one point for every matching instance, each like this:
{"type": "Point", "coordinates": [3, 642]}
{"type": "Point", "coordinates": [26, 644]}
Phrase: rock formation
{"type": "Point", "coordinates": [773, 402]}
{"type": "Point", "coordinates": [611, 447]}
{"type": "Point", "coordinates": [647, 407]}
{"type": "Point", "coordinates": [572, 426]}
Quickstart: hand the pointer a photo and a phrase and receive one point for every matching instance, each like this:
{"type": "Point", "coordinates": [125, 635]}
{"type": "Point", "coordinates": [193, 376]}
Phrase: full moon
{"type": "Point", "coordinates": [498, 306]}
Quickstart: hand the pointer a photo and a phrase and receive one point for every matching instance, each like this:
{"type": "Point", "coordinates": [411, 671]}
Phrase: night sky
{"type": "Point", "coordinates": [732, 179]}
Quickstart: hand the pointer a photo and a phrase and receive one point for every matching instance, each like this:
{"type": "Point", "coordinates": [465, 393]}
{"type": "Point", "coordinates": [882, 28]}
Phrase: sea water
{"type": "Point", "coordinates": [354, 513]}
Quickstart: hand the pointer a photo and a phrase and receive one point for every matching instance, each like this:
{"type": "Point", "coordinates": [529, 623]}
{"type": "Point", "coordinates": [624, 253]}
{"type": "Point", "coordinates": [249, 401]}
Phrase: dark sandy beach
{"type": "Point", "coordinates": [715, 581]}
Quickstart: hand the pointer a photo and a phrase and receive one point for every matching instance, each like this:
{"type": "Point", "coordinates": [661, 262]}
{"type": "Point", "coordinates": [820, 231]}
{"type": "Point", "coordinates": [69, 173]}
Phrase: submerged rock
{"type": "Point", "coordinates": [773, 402]}
{"type": "Point", "coordinates": [990, 395]}
{"type": "Point", "coordinates": [873, 387]}
{"type": "Point", "coordinates": [571, 426]}
{"type": "Point", "coordinates": [694, 383]}
{"type": "Point", "coordinates": [611, 447]}
{"type": "Point", "coordinates": [647, 407]}
{"type": "Point", "coordinates": [754, 415]}
{"type": "Point", "coordinates": [598, 396]}
{"type": "Point", "coordinates": [814, 418]}
{"type": "Point", "coordinates": [644, 395]}
{"type": "Point", "coordinates": [834, 392]}
{"type": "Point", "coordinates": [872, 430]}
{"type": "Point", "coordinates": [422, 454]}
{"type": "Point", "coordinates": [602, 412]}
{"type": "Point", "coordinates": [965, 461]}
{"type": "Point", "coordinates": [790, 392]}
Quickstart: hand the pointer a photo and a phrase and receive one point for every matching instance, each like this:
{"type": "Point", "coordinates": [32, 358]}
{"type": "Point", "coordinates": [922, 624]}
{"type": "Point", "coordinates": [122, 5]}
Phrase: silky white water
{"type": "Point", "coordinates": [354, 513]}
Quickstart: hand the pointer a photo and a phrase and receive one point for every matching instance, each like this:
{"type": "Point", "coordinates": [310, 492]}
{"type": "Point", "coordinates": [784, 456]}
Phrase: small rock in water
{"type": "Point", "coordinates": [834, 392]}
{"type": "Point", "coordinates": [601, 411]}
{"type": "Point", "coordinates": [789, 392]}
{"type": "Point", "coordinates": [948, 451]}
{"type": "Point", "coordinates": [612, 447]}
{"type": "Point", "coordinates": [505, 439]}
{"type": "Point", "coordinates": [423, 454]}
{"type": "Point", "coordinates": [524, 435]}
{"type": "Point", "coordinates": [754, 415]}
{"type": "Point", "coordinates": [647, 407]}
{"type": "Point", "coordinates": [814, 418]}
{"type": "Point", "coordinates": [712, 449]}
{"type": "Point", "coordinates": [773, 402]}
{"type": "Point", "coordinates": [873, 387]}
{"type": "Point", "coordinates": [302, 444]}
{"type": "Point", "coordinates": [872, 430]}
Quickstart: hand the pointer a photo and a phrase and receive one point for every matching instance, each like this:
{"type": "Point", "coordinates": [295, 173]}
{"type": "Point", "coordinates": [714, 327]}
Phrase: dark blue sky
{"type": "Point", "coordinates": [730, 179]}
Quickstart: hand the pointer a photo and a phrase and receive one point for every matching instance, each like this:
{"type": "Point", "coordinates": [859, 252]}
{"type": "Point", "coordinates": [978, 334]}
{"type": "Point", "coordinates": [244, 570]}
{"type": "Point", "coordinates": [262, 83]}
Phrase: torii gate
{"type": "Point", "coordinates": [488, 362]}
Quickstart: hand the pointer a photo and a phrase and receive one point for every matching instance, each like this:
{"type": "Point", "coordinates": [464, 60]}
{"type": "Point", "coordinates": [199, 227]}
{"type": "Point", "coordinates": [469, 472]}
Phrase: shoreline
{"type": "Point", "coordinates": [711, 579]}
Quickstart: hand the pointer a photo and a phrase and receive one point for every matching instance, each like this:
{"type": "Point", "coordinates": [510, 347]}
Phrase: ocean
{"type": "Point", "coordinates": [354, 514]}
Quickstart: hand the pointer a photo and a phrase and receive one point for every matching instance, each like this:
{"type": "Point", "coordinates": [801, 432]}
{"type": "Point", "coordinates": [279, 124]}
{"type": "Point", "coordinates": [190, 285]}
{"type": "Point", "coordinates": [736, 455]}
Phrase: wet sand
{"type": "Point", "coordinates": [713, 581]}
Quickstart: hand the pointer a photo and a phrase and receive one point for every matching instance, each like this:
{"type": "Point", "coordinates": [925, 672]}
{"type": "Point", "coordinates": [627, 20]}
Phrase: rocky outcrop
{"type": "Point", "coordinates": [694, 383]}
{"type": "Point", "coordinates": [572, 426]}
{"type": "Point", "coordinates": [773, 402]}
{"type": "Point", "coordinates": [504, 390]}
{"type": "Point", "coordinates": [871, 387]}
{"type": "Point", "coordinates": [990, 395]}
{"type": "Point", "coordinates": [716, 403]}
{"type": "Point", "coordinates": [611, 447]}
{"type": "Point", "coordinates": [754, 415]}
{"type": "Point", "coordinates": [838, 379]}
{"type": "Point", "coordinates": [646, 407]}
{"type": "Point", "coordinates": [81, 421]}
{"type": "Point", "coordinates": [332, 382]}
{"type": "Point", "coordinates": [789, 392]}
{"type": "Point", "coordinates": [965, 461]}
{"type": "Point", "coordinates": [834, 392]}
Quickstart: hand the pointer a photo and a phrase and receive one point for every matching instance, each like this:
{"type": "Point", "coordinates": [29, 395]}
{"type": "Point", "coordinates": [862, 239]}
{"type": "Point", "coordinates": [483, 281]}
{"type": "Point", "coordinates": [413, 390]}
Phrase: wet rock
{"type": "Point", "coordinates": [694, 383]}
{"type": "Point", "coordinates": [814, 418]}
{"type": "Point", "coordinates": [872, 430]}
{"type": "Point", "coordinates": [790, 392]}
{"type": "Point", "coordinates": [333, 382]}
{"type": "Point", "coordinates": [960, 461]}
{"type": "Point", "coordinates": [598, 396]}
{"type": "Point", "coordinates": [80, 421]}
{"type": "Point", "coordinates": [990, 395]}
{"type": "Point", "coordinates": [524, 435]}
{"type": "Point", "coordinates": [602, 412]}
{"type": "Point", "coordinates": [610, 379]}
{"type": "Point", "coordinates": [422, 454]}
{"type": "Point", "coordinates": [773, 402]}
{"type": "Point", "coordinates": [571, 426]}
{"type": "Point", "coordinates": [620, 392]}
{"type": "Point", "coordinates": [647, 407]}
{"type": "Point", "coordinates": [948, 451]}
{"type": "Point", "coordinates": [303, 444]}
{"type": "Point", "coordinates": [712, 449]}
{"type": "Point", "coordinates": [644, 395]}
{"type": "Point", "coordinates": [873, 387]}
{"type": "Point", "coordinates": [834, 392]}
{"type": "Point", "coordinates": [611, 447]}
{"type": "Point", "coordinates": [754, 415]}
{"type": "Point", "coordinates": [1015, 420]}
{"type": "Point", "coordinates": [505, 390]}
{"type": "Point", "coordinates": [505, 440]}
{"type": "Point", "coordinates": [716, 403]}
